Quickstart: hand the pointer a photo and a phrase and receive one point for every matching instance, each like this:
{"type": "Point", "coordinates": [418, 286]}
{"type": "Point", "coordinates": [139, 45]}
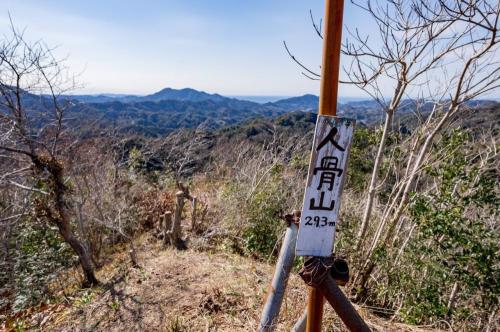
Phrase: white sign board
{"type": "Point", "coordinates": [327, 171]}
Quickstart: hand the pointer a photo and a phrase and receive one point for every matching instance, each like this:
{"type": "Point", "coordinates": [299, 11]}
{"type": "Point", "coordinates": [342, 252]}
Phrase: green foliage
{"type": "Point", "coordinates": [136, 160]}
{"type": "Point", "coordinates": [115, 305]}
{"type": "Point", "coordinates": [264, 226]}
{"type": "Point", "coordinates": [85, 298]}
{"type": "Point", "coordinates": [38, 254]}
{"type": "Point", "coordinates": [252, 212]}
{"type": "Point", "coordinates": [176, 325]}
{"type": "Point", "coordinates": [361, 158]}
{"type": "Point", "coordinates": [455, 240]}
{"type": "Point", "coordinates": [259, 213]}
{"type": "Point", "coordinates": [300, 163]}
{"type": "Point", "coordinates": [19, 325]}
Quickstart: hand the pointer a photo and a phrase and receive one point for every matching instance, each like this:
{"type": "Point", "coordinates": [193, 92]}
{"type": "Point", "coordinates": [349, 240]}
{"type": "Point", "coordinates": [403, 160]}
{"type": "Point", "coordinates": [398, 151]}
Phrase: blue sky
{"type": "Point", "coordinates": [228, 47]}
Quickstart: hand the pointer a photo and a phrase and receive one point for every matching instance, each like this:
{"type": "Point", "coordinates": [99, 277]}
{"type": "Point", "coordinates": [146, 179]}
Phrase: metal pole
{"type": "Point", "coordinates": [340, 274]}
{"type": "Point", "coordinates": [324, 273]}
{"type": "Point", "coordinates": [283, 267]}
{"type": "Point", "coordinates": [300, 325]}
{"type": "Point", "coordinates": [327, 106]}
{"type": "Point", "coordinates": [342, 305]}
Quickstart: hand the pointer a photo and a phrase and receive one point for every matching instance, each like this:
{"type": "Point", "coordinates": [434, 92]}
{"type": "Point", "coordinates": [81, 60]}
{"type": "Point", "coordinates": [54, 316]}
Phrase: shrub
{"type": "Point", "coordinates": [38, 255]}
{"type": "Point", "coordinates": [264, 187]}
{"type": "Point", "coordinates": [455, 243]}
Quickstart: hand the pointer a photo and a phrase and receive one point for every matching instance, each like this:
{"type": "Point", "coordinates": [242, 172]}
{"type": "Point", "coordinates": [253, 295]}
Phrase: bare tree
{"type": "Point", "coordinates": [418, 39]}
{"type": "Point", "coordinates": [435, 57]}
{"type": "Point", "coordinates": [180, 153]}
{"type": "Point", "coordinates": [442, 52]}
{"type": "Point", "coordinates": [33, 136]}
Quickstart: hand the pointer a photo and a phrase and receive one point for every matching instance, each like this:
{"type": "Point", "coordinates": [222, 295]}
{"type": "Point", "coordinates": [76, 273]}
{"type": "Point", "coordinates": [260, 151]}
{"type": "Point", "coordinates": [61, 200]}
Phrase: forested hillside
{"type": "Point", "coordinates": [131, 180]}
{"type": "Point", "coordinates": [167, 211]}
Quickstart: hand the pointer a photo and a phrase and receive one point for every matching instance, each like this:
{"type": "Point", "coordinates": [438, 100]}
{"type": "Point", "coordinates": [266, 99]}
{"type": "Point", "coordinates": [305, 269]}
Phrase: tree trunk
{"type": "Point", "coordinates": [62, 218]}
{"type": "Point", "coordinates": [174, 234]}
{"type": "Point", "coordinates": [405, 197]}
{"type": "Point", "coordinates": [373, 183]}
{"type": "Point", "coordinates": [83, 255]}
{"type": "Point", "coordinates": [176, 225]}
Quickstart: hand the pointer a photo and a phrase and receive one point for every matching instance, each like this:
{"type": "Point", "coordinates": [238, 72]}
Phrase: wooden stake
{"type": "Point", "coordinates": [167, 226]}
{"type": "Point", "coordinates": [193, 214]}
{"type": "Point", "coordinates": [327, 106]}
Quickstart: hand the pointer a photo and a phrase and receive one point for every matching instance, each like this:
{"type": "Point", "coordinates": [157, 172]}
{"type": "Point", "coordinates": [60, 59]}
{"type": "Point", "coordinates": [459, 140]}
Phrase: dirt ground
{"type": "Point", "coordinates": [183, 291]}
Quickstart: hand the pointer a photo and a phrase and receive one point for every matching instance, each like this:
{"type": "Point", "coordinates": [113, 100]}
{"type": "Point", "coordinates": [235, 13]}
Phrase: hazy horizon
{"type": "Point", "coordinates": [261, 99]}
{"type": "Point", "coordinates": [225, 47]}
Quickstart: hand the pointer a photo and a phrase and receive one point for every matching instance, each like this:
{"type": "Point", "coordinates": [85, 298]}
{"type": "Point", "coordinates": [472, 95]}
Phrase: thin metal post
{"type": "Point", "coordinates": [300, 325]}
{"type": "Point", "coordinates": [283, 267]}
{"type": "Point", "coordinates": [317, 272]}
{"type": "Point", "coordinates": [340, 274]}
{"type": "Point", "coordinates": [342, 305]}
{"type": "Point", "coordinates": [327, 106]}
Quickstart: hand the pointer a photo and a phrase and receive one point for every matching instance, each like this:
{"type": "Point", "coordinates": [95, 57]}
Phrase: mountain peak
{"type": "Point", "coordinates": [185, 94]}
{"type": "Point", "coordinates": [307, 101]}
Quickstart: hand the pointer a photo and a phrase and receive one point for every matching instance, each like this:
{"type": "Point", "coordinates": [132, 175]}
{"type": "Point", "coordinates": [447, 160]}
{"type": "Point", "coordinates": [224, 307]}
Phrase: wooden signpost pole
{"type": "Point", "coordinates": [327, 106]}
{"type": "Point", "coordinates": [331, 57]}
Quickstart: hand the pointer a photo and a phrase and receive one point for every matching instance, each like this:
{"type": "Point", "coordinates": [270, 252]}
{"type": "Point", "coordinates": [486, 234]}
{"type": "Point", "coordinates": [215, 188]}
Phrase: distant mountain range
{"type": "Point", "coordinates": [186, 94]}
{"type": "Point", "coordinates": [169, 109]}
{"type": "Point", "coordinates": [302, 103]}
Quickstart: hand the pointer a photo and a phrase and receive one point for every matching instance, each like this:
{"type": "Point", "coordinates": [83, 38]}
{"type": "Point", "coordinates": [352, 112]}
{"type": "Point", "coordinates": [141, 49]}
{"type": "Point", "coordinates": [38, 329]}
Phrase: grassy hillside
{"type": "Point", "coordinates": [179, 291]}
{"type": "Point", "coordinates": [245, 177]}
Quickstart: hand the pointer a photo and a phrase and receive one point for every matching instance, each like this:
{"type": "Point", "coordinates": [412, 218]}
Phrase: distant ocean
{"type": "Point", "coordinates": [270, 99]}
{"type": "Point", "coordinates": [261, 99]}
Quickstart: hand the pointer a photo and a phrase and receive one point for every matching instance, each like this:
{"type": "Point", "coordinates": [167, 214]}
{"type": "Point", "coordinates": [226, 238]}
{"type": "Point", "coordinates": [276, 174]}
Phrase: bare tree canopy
{"type": "Point", "coordinates": [30, 74]}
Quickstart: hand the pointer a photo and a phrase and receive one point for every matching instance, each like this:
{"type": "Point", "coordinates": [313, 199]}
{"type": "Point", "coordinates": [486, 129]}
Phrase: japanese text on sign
{"type": "Point", "coordinates": [332, 140]}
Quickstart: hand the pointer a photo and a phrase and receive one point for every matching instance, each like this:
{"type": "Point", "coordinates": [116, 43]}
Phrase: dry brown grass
{"type": "Point", "coordinates": [183, 291]}
{"type": "Point", "coordinates": [152, 205]}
